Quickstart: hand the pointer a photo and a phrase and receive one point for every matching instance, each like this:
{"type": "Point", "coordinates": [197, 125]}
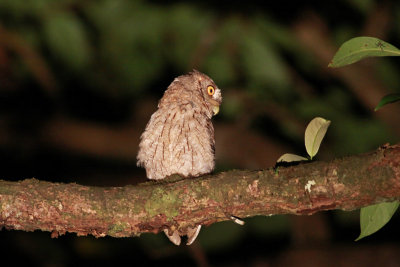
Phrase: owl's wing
{"type": "Point", "coordinates": [177, 140]}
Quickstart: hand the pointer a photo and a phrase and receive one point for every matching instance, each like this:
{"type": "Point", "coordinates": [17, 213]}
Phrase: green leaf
{"type": "Point", "coordinates": [262, 64]}
{"type": "Point", "coordinates": [362, 47]}
{"type": "Point", "coordinates": [314, 134]}
{"type": "Point", "coordinates": [373, 218]}
{"type": "Point", "coordinates": [291, 158]}
{"type": "Point", "coordinates": [387, 99]}
{"type": "Point", "coordinates": [67, 40]}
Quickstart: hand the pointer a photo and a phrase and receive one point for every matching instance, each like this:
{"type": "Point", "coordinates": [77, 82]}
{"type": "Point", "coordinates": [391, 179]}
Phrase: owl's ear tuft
{"type": "Point", "coordinates": [196, 72]}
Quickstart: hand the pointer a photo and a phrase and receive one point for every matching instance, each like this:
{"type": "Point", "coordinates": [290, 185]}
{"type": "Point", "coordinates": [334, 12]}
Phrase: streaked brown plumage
{"type": "Point", "coordinates": [179, 138]}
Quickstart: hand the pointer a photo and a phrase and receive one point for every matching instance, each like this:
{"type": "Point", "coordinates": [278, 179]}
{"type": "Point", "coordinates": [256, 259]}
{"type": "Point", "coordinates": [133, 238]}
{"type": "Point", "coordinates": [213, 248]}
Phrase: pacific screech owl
{"type": "Point", "coordinates": [179, 138]}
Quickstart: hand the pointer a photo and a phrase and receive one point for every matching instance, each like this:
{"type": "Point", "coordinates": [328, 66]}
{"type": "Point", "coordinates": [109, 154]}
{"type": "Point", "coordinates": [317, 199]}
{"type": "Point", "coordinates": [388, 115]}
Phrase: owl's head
{"type": "Point", "coordinates": [195, 88]}
{"type": "Point", "coordinates": [209, 90]}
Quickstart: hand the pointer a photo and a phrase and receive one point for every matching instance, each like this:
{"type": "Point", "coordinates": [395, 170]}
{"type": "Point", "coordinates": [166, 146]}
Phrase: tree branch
{"type": "Point", "coordinates": [348, 183]}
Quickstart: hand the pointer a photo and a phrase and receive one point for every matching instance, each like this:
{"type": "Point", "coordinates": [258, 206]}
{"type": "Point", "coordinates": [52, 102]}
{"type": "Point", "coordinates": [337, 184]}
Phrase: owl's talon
{"type": "Point", "coordinates": [174, 238]}
{"type": "Point", "coordinates": [192, 234]}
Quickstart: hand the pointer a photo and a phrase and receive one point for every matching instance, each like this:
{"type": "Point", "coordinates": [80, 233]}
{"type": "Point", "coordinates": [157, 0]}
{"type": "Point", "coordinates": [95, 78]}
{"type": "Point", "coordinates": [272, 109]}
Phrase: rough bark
{"type": "Point", "coordinates": [348, 183]}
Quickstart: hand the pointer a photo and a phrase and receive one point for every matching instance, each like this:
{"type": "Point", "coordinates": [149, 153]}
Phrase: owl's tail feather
{"type": "Point", "coordinates": [192, 234]}
{"type": "Point", "coordinates": [174, 238]}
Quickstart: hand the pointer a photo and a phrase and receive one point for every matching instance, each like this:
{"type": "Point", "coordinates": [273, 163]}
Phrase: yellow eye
{"type": "Point", "coordinates": [210, 90]}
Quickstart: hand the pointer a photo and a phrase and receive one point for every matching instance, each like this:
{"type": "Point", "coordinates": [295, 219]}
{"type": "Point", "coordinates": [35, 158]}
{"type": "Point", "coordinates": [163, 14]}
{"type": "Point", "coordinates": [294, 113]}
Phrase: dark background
{"type": "Point", "coordinates": [80, 79]}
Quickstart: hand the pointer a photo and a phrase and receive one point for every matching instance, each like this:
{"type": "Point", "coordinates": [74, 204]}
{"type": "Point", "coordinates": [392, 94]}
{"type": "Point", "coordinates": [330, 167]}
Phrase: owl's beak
{"type": "Point", "coordinates": [215, 106]}
{"type": "Point", "coordinates": [215, 110]}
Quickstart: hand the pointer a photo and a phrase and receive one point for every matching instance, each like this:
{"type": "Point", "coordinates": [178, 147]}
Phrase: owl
{"type": "Point", "coordinates": [179, 138]}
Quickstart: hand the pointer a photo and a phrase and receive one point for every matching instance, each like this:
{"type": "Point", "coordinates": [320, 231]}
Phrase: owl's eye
{"type": "Point", "coordinates": [210, 90]}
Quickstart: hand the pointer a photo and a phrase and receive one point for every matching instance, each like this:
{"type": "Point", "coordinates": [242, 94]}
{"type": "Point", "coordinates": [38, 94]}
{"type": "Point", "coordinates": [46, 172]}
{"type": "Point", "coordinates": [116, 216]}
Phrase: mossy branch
{"type": "Point", "coordinates": [348, 183]}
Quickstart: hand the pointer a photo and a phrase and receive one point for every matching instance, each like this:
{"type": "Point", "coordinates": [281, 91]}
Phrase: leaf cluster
{"type": "Point", "coordinates": [372, 218]}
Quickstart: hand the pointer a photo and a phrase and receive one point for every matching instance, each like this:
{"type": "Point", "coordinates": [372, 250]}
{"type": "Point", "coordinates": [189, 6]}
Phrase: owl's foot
{"type": "Point", "coordinates": [192, 234]}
